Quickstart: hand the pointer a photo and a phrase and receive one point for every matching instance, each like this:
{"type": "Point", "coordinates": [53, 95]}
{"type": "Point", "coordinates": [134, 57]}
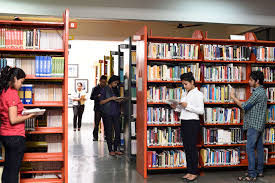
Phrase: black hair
{"type": "Point", "coordinates": [258, 75]}
{"type": "Point", "coordinates": [103, 77]}
{"type": "Point", "coordinates": [187, 77]}
{"type": "Point", "coordinates": [113, 78]}
{"type": "Point", "coordinates": [79, 83]}
{"type": "Point", "coordinates": [7, 77]}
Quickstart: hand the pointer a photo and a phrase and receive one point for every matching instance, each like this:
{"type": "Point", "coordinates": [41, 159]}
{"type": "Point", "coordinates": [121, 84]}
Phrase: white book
{"type": "Point", "coordinates": [35, 111]}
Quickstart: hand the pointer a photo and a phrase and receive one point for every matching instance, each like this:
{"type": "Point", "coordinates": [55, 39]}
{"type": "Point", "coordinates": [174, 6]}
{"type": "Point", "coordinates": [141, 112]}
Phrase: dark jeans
{"type": "Point", "coordinates": [255, 141]}
{"type": "Point", "coordinates": [14, 152]}
{"type": "Point", "coordinates": [109, 122]}
{"type": "Point", "coordinates": [98, 117]}
{"type": "Point", "coordinates": [190, 131]}
{"type": "Point", "coordinates": [78, 112]}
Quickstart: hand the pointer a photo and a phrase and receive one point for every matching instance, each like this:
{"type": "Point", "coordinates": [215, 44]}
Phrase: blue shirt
{"type": "Point", "coordinates": [114, 106]}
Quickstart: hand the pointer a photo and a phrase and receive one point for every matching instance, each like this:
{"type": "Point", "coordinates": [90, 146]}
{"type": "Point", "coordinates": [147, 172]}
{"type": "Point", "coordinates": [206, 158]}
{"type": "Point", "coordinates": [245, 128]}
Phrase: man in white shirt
{"type": "Point", "coordinates": [79, 98]}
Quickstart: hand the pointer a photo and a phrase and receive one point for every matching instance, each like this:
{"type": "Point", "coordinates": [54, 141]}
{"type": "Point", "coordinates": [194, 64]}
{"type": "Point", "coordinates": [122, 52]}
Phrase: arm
{"type": "Point", "coordinates": [197, 105]}
{"type": "Point", "coordinates": [14, 118]}
{"type": "Point", "coordinates": [245, 105]}
{"type": "Point", "coordinates": [107, 100]}
{"type": "Point", "coordinates": [95, 94]}
{"type": "Point", "coordinates": [75, 98]}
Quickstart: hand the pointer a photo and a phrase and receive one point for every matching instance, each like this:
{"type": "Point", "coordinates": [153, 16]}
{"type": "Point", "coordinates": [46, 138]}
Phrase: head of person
{"type": "Point", "coordinates": [256, 78]}
{"type": "Point", "coordinates": [103, 81]}
{"type": "Point", "coordinates": [11, 77]}
{"type": "Point", "coordinates": [188, 81]}
{"type": "Point", "coordinates": [113, 81]}
{"type": "Point", "coordinates": [79, 86]}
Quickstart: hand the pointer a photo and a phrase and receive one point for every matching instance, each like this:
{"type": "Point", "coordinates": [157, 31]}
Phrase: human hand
{"type": "Point", "coordinates": [113, 98]}
{"type": "Point", "coordinates": [173, 106]}
{"type": "Point", "coordinates": [99, 95]}
{"type": "Point", "coordinates": [31, 115]}
{"type": "Point", "coordinates": [183, 104]}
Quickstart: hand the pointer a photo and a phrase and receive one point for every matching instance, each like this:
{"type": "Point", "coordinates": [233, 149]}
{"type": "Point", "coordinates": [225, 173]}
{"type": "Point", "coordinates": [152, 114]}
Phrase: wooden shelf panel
{"type": "Point", "coordinates": [223, 145]}
{"type": "Point", "coordinates": [156, 125]}
{"type": "Point", "coordinates": [56, 25]}
{"type": "Point", "coordinates": [271, 152]}
{"type": "Point", "coordinates": [171, 39]}
{"type": "Point", "coordinates": [1, 161]}
{"type": "Point", "coordinates": [157, 81]}
{"type": "Point", "coordinates": [43, 157]}
{"type": "Point", "coordinates": [32, 50]}
{"type": "Point", "coordinates": [269, 83]}
{"type": "Point", "coordinates": [263, 62]}
{"type": "Point", "coordinates": [42, 180]}
{"type": "Point", "coordinates": [268, 144]}
{"type": "Point", "coordinates": [41, 171]}
{"type": "Point", "coordinates": [157, 103]}
{"type": "Point", "coordinates": [207, 41]}
{"type": "Point", "coordinates": [46, 130]}
{"type": "Point", "coordinates": [172, 60]}
{"type": "Point", "coordinates": [225, 82]}
{"type": "Point", "coordinates": [164, 147]}
{"type": "Point", "coordinates": [224, 61]}
{"type": "Point", "coordinates": [31, 77]}
{"type": "Point", "coordinates": [45, 104]}
{"type": "Point", "coordinates": [167, 168]}
{"type": "Point", "coordinates": [228, 124]}
{"type": "Point", "coordinates": [270, 163]}
{"type": "Point", "coordinates": [220, 166]}
{"type": "Point", "coordinates": [220, 103]}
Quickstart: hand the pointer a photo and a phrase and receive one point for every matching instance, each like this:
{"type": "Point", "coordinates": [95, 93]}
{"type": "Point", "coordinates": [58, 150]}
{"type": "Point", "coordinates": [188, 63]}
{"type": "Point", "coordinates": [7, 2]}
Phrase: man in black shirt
{"type": "Point", "coordinates": [95, 95]}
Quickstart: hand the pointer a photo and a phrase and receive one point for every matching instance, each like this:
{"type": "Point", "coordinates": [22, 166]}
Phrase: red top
{"type": "Point", "coordinates": [8, 99]}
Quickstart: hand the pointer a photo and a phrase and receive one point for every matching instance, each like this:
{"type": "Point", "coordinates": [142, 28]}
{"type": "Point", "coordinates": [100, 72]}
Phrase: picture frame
{"type": "Point", "coordinates": [84, 82]}
{"type": "Point", "coordinates": [73, 70]}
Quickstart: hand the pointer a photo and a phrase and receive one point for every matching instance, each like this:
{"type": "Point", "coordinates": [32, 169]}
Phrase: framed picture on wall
{"type": "Point", "coordinates": [73, 70]}
{"type": "Point", "coordinates": [70, 100]}
{"type": "Point", "coordinates": [84, 84]}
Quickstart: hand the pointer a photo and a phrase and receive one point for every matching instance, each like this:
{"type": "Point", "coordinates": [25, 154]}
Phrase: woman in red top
{"type": "Point", "coordinates": [12, 128]}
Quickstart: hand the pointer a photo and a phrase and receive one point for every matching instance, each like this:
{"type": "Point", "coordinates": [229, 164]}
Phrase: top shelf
{"type": "Point", "coordinates": [176, 39]}
{"type": "Point", "coordinates": [31, 50]}
{"type": "Point", "coordinates": [32, 24]}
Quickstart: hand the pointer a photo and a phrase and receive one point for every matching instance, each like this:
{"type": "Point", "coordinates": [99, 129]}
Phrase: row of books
{"type": "Point", "coordinates": [54, 143]}
{"type": "Point", "coordinates": [172, 73]}
{"type": "Point", "coordinates": [173, 51]}
{"type": "Point", "coordinates": [269, 135]}
{"type": "Point", "coordinates": [47, 176]}
{"type": "Point", "coordinates": [269, 73]}
{"type": "Point", "coordinates": [54, 118]}
{"type": "Point", "coordinates": [226, 52]}
{"type": "Point", "coordinates": [30, 39]}
{"type": "Point", "coordinates": [156, 115]}
{"type": "Point", "coordinates": [161, 94]}
{"type": "Point", "coordinates": [26, 94]}
{"type": "Point", "coordinates": [221, 93]}
{"type": "Point", "coordinates": [270, 92]}
{"type": "Point", "coordinates": [271, 114]}
{"type": "Point", "coordinates": [227, 72]}
{"type": "Point", "coordinates": [45, 92]}
{"type": "Point", "coordinates": [42, 166]}
{"type": "Point", "coordinates": [215, 136]}
{"type": "Point", "coordinates": [216, 157]}
{"type": "Point", "coordinates": [166, 159]}
{"type": "Point", "coordinates": [30, 124]}
{"type": "Point", "coordinates": [163, 136]}
{"type": "Point", "coordinates": [265, 54]}
{"type": "Point", "coordinates": [220, 115]}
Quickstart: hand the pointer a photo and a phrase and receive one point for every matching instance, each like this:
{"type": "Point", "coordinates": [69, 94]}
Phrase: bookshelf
{"type": "Point", "coordinates": [239, 55]}
{"type": "Point", "coordinates": [15, 42]}
{"type": "Point", "coordinates": [127, 68]}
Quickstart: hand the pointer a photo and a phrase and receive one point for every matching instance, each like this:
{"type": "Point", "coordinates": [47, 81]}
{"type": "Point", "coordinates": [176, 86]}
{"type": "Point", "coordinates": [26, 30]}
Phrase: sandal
{"type": "Point", "coordinates": [258, 174]}
{"type": "Point", "coordinates": [247, 178]}
{"type": "Point", "coordinates": [190, 180]}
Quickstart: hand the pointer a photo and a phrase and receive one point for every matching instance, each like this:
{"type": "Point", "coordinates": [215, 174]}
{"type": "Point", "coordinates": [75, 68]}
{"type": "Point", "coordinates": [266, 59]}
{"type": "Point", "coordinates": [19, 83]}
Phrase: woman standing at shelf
{"type": "Point", "coordinates": [79, 98]}
{"type": "Point", "coordinates": [191, 106]}
{"type": "Point", "coordinates": [110, 109]}
{"type": "Point", "coordinates": [12, 129]}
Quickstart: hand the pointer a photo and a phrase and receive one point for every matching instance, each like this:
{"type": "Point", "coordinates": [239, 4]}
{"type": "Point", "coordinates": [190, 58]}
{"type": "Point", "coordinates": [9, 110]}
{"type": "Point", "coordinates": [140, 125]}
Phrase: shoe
{"type": "Point", "coordinates": [74, 129]}
{"type": "Point", "coordinates": [95, 139]}
{"type": "Point", "coordinates": [112, 153]}
{"type": "Point", "coordinates": [190, 180]}
{"type": "Point", "coordinates": [118, 153]}
{"type": "Point", "coordinates": [78, 129]}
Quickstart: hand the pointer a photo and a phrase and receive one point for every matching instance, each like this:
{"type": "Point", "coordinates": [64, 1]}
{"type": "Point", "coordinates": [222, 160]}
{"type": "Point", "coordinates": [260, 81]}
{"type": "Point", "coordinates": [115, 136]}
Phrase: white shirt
{"type": "Point", "coordinates": [76, 96]}
{"type": "Point", "coordinates": [195, 105]}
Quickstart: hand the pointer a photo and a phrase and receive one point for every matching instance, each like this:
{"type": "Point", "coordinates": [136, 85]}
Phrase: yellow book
{"type": "Point", "coordinates": [222, 94]}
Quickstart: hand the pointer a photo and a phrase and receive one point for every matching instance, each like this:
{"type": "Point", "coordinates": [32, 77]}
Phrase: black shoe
{"type": "Point", "coordinates": [95, 139]}
{"type": "Point", "coordinates": [189, 180]}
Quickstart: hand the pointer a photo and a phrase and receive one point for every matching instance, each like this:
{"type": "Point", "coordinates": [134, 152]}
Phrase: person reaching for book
{"type": "Point", "coordinates": [191, 106]}
{"type": "Point", "coordinates": [12, 129]}
{"type": "Point", "coordinates": [79, 98]}
{"type": "Point", "coordinates": [254, 122]}
{"type": "Point", "coordinates": [110, 108]}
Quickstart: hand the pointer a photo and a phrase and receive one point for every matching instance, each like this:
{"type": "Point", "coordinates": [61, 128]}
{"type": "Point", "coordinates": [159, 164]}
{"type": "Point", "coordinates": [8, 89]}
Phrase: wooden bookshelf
{"type": "Point", "coordinates": [168, 168]}
{"type": "Point", "coordinates": [63, 27]}
{"type": "Point", "coordinates": [159, 125]}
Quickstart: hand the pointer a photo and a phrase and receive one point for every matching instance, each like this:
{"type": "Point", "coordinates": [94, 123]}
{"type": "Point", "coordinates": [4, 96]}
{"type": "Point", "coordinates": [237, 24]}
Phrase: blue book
{"type": "Point", "coordinates": [21, 94]}
{"type": "Point", "coordinates": [45, 65]}
{"type": "Point", "coordinates": [28, 90]}
{"type": "Point", "coordinates": [41, 65]}
{"type": "Point", "coordinates": [49, 66]}
{"type": "Point", "coordinates": [37, 66]}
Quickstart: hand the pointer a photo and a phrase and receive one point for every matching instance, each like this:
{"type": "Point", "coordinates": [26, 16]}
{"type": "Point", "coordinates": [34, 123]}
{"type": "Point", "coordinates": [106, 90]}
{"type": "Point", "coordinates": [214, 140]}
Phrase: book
{"type": "Point", "coordinates": [163, 93]}
{"type": "Point", "coordinates": [269, 73]}
{"type": "Point", "coordinates": [158, 136]}
{"type": "Point", "coordinates": [35, 111]}
{"type": "Point", "coordinates": [264, 54]}
{"type": "Point", "coordinates": [219, 115]}
{"type": "Point", "coordinates": [160, 115]}
{"type": "Point", "coordinates": [270, 92]}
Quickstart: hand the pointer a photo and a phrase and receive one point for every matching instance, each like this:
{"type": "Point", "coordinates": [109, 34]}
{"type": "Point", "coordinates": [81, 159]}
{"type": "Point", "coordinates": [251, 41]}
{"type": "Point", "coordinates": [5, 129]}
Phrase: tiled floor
{"type": "Point", "coordinates": [89, 162]}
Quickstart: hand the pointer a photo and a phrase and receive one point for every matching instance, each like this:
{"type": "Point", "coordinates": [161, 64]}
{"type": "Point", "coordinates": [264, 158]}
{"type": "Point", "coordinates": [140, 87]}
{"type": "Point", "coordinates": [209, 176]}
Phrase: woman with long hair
{"type": "Point", "coordinates": [12, 128]}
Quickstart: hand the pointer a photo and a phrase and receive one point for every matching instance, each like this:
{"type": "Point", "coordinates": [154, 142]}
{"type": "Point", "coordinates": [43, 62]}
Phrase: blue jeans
{"type": "Point", "coordinates": [255, 141]}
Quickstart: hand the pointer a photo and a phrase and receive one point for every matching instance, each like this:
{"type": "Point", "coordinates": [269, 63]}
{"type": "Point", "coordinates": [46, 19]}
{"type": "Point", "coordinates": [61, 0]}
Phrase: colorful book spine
{"type": "Point", "coordinates": [218, 115]}
{"type": "Point", "coordinates": [269, 73]}
{"type": "Point", "coordinates": [271, 114]}
{"type": "Point", "coordinates": [156, 115]}
{"type": "Point", "coordinates": [269, 135]}
{"type": "Point", "coordinates": [21, 94]}
{"type": "Point", "coordinates": [270, 92]}
{"type": "Point", "coordinates": [28, 94]}
{"type": "Point", "coordinates": [164, 136]}
{"type": "Point", "coordinates": [161, 94]}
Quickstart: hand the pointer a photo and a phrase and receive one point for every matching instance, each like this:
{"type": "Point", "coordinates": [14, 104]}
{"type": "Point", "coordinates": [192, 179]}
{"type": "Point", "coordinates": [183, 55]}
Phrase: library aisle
{"type": "Point", "coordinates": [89, 162]}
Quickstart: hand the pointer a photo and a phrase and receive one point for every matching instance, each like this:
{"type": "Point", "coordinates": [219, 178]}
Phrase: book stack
{"type": "Point", "coordinates": [226, 52]}
{"type": "Point", "coordinates": [161, 94]}
{"type": "Point", "coordinates": [173, 51]}
{"type": "Point", "coordinates": [167, 73]}
{"type": "Point", "coordinates": [264, 54]}
{"type": "Point", "coordinates": [219, 115]}
{"type": "Point", "coordinates": [26, 94]}
{"type": "Point", "coordinates": [215, 136]}
{"type": "Point", "coordinates": [216, 157]}
{"type": "Point", "coordinates": [30, 39]}
{"type": "Point", "coordinates": [30, 124]}
{"type": "Point", "coordinates": [43, 92]}
{"type": "Point", "coordinates": [227, 72]}
{"type": "Point", "coordinates": [156, 115]}
{"type": "Point", "coordinates": [164, 136]}
{"type": "Point", "coordinates": [269, 135]}
{"type": "Point", "coordinates": [269, 73]}
{"type": "Point", "coordinates": [270, 92]}
{"type": "Point", "coordinates": [166, 159]}
{"type": "Point", "coordinates": [54, 118]}
{"type": "Point", "coordinates": [221, 93]}
{"type": "Point", "coordinates": [54, 143]}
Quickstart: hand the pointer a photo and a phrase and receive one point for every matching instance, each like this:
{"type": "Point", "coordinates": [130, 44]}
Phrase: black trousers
{"type": "Point", "coordinates": [98, 117]}
{"type": "Point", "coordinates": [109, 123]}
{"type": "Point", "coordinates": [190, 131]}
{"type": "Point", "coordinates": [14, 152]}
{"type": "Point", "coordinates": [78, 112]}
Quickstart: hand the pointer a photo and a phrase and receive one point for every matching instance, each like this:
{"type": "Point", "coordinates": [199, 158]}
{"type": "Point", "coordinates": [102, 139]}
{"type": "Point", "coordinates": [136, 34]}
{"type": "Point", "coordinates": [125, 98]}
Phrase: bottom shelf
{"type": "Point", "coordinates": [42, 180]}
{"type": "Point", "coordinates": [165, 168]}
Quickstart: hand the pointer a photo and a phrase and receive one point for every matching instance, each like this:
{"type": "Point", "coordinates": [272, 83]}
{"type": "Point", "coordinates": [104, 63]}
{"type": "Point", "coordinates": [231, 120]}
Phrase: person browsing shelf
{"type": "Point", "coordinates": [110, 108]}
{"type": "Point", "coordinates": [79, 98]}
{"type": "Point", "coordinates": [254, 122]}
{"type": "Point", "coordinates": [12, 129]}
{"type": "Point", "coordinates": [95, 95]}
{"type": "Point", "coordinates": [190, 106]}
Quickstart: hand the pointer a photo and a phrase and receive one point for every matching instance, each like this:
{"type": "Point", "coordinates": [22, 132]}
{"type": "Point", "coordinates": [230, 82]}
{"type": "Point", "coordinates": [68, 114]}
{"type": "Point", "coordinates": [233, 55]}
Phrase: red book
{"type": "Point", "coordinates": [149, 159]}
{"type": "Point", "coordinates": [6, 38]}
{"type": "Point", "coordinates": [12, 38]}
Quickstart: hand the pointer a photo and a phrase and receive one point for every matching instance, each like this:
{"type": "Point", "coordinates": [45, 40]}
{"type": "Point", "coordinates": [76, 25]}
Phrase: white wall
{"type": "Point", "coordinates": [86, 54]}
